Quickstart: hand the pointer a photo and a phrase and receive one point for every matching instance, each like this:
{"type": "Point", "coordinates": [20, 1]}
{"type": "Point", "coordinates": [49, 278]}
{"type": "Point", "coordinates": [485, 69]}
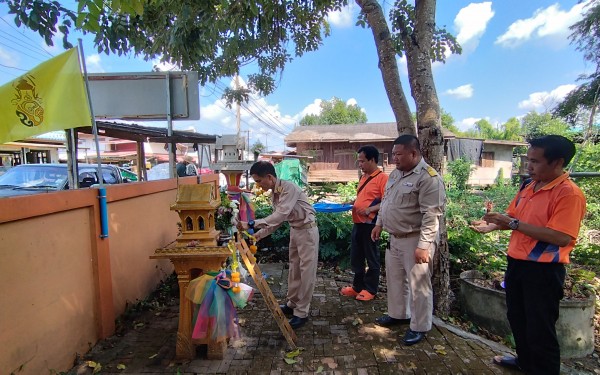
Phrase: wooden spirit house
{"type": "Point", "coordinates": [196, 206]}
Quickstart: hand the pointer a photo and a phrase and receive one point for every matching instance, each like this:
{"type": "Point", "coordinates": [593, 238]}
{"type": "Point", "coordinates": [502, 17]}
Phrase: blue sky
{"type": "Point", "coordinates": [516, 58]}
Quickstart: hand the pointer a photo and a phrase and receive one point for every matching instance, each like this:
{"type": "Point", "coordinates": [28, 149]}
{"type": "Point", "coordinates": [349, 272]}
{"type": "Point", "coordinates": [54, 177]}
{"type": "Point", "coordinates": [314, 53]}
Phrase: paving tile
{"type": "Point", "coordinates": [340, 338]}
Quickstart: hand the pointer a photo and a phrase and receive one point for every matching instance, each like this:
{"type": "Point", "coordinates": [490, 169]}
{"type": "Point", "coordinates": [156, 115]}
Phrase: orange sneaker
{"type": "Point", "coordinates": [365, 295]}
{"type": "Point", "coordinates": [348, 291]}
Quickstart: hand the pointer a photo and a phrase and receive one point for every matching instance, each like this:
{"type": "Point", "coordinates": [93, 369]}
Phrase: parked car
{"type": "Point", "coordinates": [161, 172]}
{"type": "Point", "coordinates": [27, 179]}
{"type": "Point", "coordinates": [3, 169]}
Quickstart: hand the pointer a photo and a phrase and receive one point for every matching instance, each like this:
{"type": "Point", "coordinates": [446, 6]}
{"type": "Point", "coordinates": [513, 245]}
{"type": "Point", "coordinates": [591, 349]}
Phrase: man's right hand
{"type": "Point", "coordinates": [242, 225]}
{"type": "Point", "coordinates": [376, 233]}
{"type": "Point", "coordinates": [482, 226]}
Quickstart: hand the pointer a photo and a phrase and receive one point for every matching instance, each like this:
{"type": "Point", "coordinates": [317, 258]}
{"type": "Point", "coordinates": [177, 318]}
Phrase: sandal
{"type": "Point", "coordinates": [365, 295]}
{"type": "Point", "coordinates": [507, 361]}
{"type": "Point", "coordinates": [348, 291]}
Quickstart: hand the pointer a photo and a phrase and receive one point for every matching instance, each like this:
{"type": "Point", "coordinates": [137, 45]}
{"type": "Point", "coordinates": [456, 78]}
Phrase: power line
{"type": "Point", "coordinates": [273, 123]}
{"type": "Point", "coordinates": [9, 73]}
{"type": "Point", "coordinates": [23, 35]}
{"type": "Point", "coordinates": [274, 120]}
{"type": "Point", "coordinates": [23, 44]}
{"type": "Point", "coordinates": [21, 52]}
{"type": "Point", "coordinates": [13, 67]}
{"type": "Point", "coordinates": [270, 126]}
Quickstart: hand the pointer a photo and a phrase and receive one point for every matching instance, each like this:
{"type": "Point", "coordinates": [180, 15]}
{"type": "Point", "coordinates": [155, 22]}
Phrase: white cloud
{"type": "Point", "coordinates": [467, 123]}
{"type": "Point", "coordinates": [93, 64]}
{"type": "Point", "coordinates": [216, 118]}
{"type": "Point", "coordinates": [163, 66]}
{"type": "Point", "coordinates": [313, 108]}
{"type": "Point", "coordinates": [403, 65]}
{"type": "Point", "coordinates": [8, 58]}
{"type": "Point", "coordinates": [543, 101]}
{"type": "Point", "coordinates": [344, 17]}
{"type": "Point", "coordinates": [461, 92]}
{"type": "Point", "coordinates": [545, 22]}
{"type": "Point", "coordinates": [471, 22]}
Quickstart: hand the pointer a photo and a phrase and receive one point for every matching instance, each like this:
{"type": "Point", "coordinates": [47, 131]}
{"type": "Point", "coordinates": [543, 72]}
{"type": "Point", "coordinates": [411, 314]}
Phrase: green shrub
{"type": "Point", "coordinates": [459, 171]}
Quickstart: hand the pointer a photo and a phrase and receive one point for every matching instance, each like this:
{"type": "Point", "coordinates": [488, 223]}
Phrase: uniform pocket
{"type": "Point", "coordinates": [408, 195]}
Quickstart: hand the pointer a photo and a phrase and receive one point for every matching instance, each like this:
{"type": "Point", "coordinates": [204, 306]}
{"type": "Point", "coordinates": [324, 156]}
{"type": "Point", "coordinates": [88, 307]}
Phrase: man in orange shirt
{"type": "Point", "coordinates": [545, 218]}
{"type": "Point", "coordinates": [364, 214]}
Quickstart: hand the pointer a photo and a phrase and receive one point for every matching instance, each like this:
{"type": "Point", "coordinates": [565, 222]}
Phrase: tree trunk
{"type": "Point", "coordinates": [388, 66]}
{"type": "Point", "coordinates": [418, 44]}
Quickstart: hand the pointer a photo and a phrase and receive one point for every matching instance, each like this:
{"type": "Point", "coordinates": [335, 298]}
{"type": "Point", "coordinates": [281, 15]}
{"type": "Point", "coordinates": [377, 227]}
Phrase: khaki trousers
{"type": "Point", "coordinates": [304, 256]}
{"type": "Point", "coordinates": [409, 290]}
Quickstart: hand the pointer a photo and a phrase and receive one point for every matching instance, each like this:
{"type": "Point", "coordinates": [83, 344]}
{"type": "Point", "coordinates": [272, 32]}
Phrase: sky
{"type": "Point", "coordinates": [516, 58]}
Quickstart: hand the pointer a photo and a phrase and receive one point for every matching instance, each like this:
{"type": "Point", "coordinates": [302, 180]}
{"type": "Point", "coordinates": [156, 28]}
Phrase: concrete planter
{"type": "Point", "coordinates": [487, 308]}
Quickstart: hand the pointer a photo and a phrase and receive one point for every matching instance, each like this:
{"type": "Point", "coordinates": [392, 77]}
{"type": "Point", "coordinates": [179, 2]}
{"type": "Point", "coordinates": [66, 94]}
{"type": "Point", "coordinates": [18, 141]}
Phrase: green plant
{"type": "Point", "coordinates": [500, 180]}
{"type": "Point", "coordinates": [347, 192]}
{"type": "Point", "coordinates": [224, 213]}
{"type": "Point", "coordinates": [460, 170]}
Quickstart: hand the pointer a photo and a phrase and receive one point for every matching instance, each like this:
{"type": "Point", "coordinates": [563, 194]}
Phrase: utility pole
{"type": "Point", "coordinates": [238, 119]}
{"type": "Point", "coordinates": [266, 141]}
{"type": "Point", "coordinates": [247, 140]}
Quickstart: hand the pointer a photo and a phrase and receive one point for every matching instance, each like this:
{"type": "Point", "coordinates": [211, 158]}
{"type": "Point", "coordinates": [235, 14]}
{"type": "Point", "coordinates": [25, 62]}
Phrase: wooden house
{"type": "Point", "coordinates": [333, 149]}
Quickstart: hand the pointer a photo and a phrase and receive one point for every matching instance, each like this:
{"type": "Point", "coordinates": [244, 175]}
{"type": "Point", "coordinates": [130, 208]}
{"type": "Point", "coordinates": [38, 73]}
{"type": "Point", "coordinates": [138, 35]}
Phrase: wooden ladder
{"type": "Point", "coordinates": [265, 290]}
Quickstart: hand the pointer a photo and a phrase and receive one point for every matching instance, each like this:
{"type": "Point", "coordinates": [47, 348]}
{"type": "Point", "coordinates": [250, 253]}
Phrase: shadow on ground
{"type": "Point", "coordinates": [340, 338]}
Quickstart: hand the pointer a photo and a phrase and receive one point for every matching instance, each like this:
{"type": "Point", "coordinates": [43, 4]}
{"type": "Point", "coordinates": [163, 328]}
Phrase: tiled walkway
{"type": "Point", "coordinates": [340, 338]}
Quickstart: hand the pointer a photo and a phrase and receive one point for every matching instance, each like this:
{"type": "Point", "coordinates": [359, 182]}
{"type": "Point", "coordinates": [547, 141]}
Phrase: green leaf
{"type": "Point", "coordinates": [293, 353]}
{"type": "Point", "coordinates": [290, 361]}
{"type": "Point", "coordinates": [138, 6]}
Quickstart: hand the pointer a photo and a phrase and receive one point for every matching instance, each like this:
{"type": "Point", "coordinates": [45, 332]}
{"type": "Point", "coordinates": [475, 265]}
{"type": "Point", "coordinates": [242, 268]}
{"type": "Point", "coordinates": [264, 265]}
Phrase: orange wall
{"type": "Point", "coordinates": [47, 311]}
{"type": "Point", "coordinates": [133, 240]}
{"type": "Point", "coordinates": [61, 286]}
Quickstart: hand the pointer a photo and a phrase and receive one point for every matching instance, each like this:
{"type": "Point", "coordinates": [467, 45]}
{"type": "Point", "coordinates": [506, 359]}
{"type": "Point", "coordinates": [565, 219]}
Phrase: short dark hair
{"type": "Point", "coordinates": [409, 141]}
{"type": "Point", "coordinates": [555, 147]}
{"type": "Point", "coordinates": [371, 152]}
{"type": "Point", "coordinates": [262, 169]}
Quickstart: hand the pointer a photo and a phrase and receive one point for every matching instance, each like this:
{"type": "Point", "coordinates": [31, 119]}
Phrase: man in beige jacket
{"type": "Point", "coordinates": [290, 204]}
{"type": "Point", "coordinates": [410, 212]}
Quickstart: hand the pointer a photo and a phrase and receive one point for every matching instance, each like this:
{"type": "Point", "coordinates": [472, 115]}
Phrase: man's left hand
{"type": "Point", "coordinates": [497, 218]}
{"type": "Point", "coordinates": [421, 256]}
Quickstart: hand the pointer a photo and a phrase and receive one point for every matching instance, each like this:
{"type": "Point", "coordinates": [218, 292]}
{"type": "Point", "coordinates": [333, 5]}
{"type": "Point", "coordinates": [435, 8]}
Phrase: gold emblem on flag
{"type": "Point", "coordinates": [28, 103]}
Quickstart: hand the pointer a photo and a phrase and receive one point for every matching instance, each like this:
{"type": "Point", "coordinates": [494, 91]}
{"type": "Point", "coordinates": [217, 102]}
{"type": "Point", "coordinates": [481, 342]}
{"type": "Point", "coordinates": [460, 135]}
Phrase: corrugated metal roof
{"type": "Point", "coordinates": [383, 131]}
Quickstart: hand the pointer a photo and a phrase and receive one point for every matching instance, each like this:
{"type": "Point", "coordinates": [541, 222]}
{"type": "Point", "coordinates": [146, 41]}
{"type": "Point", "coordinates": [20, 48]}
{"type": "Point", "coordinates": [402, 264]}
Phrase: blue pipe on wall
{"type": "Point", "coordinates": [103, 213]}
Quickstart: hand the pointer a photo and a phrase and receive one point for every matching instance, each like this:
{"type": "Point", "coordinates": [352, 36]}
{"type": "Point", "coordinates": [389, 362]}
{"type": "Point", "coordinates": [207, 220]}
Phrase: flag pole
{"type": "Point", "coordinates": [101, 189]}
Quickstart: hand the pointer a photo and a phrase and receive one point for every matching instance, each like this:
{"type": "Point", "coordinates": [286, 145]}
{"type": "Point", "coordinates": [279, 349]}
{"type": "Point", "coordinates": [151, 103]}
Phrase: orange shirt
{"type": "Point", "coordinates": [560, 205]}
{"type": "Point", "coordinates": [370, 195]}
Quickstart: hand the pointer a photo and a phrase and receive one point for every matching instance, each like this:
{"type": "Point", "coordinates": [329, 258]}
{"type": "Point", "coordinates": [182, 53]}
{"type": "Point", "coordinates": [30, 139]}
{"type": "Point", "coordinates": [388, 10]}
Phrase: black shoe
{"type": "Point", "coordinates": [296, 322]}
{"type": "Point", "coordinates": [388, 321]}
{"type": "Point", "coordinates": [508, 361]}
{"type": "Point", "coordinates": [412, 337]}
{"type": "Point", "coordinates": [286, 310]}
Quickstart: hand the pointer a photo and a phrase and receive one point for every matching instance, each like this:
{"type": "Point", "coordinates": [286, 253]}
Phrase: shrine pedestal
{"type": "Point", "coordinates": [191, 262]}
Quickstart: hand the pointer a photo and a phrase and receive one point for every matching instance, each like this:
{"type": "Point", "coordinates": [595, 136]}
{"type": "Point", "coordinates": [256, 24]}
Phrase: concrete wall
{"type": "Point", "coordinates": [502, 160]}
{"type": "Point", "coordinates": [61, 286]}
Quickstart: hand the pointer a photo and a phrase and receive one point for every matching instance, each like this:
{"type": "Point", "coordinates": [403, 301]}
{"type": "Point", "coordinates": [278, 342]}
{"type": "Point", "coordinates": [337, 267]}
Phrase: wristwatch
{"type": "Point", "coordinates": [513, 224]}
{"type": "Point", "coordinates": [251, 224]}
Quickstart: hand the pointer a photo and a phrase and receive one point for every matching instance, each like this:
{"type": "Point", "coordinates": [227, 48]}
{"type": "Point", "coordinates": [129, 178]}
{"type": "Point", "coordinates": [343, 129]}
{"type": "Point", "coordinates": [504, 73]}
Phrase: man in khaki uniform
{"type": "Point", "coordinates": [410, 211]}
{"type": "Point", "coordinates": [290, 204]}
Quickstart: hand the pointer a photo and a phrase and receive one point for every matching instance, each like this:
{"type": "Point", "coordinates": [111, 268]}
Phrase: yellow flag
{"type": "Point", "coordinates": [49, 97]}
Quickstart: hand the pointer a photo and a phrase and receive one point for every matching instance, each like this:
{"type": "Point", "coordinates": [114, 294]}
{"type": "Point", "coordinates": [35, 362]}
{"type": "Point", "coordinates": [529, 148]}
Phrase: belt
{"type": "Point", "coordinates": [405, 235]}
{"type": "Point", "coordinates": [307, 226]}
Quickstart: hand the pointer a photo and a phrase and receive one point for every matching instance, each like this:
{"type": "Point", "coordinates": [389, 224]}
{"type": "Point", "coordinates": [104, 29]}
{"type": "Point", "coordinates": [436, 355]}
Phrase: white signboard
{"type": "Point", "coordinates": [143, 96]}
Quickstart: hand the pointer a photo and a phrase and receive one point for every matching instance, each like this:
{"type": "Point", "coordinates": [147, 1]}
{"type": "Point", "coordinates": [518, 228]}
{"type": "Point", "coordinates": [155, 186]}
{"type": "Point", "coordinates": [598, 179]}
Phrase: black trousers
{"type": "Point", "coordinates": [533, 294]}
{"type": "Point", "coordinates": [362, 249]}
